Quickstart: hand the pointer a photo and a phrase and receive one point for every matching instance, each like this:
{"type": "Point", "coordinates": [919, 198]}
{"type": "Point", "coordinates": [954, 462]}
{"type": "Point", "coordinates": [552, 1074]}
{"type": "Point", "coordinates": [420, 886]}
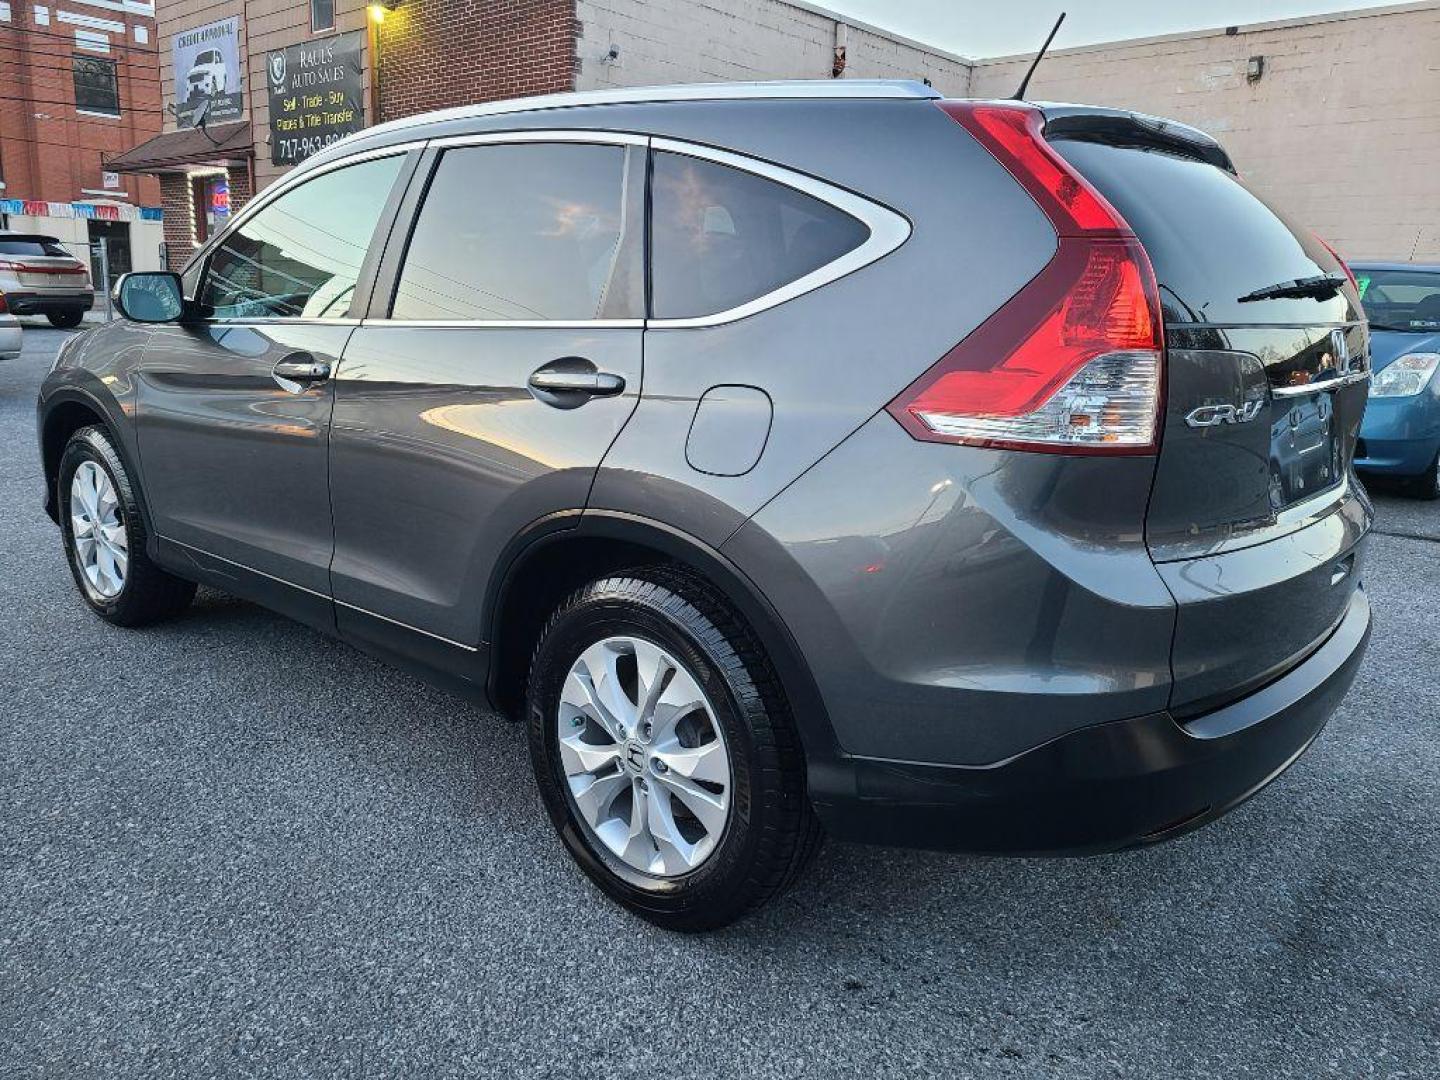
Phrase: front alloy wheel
{"type": "Point", "coordinates": [104, 533]}
{"type": "Point", "coordinates": [97, 532]}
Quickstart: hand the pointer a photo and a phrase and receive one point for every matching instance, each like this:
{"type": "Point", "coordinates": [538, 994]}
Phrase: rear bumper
{"type": "Point", "coordinates": [1105, 787]}
{"type": "Point", "coordinates": [45, 303]}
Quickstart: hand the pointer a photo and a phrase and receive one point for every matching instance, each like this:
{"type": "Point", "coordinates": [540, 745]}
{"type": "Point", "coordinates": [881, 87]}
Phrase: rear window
{"type": "Point", "coordinates": [32, 245]}
{"type": "Point", "coordinates": [722, 237]}
{"type": "Point", "coordinates": [1401, 299]}
{"type": "Point", "coordinates": [1211, 239]}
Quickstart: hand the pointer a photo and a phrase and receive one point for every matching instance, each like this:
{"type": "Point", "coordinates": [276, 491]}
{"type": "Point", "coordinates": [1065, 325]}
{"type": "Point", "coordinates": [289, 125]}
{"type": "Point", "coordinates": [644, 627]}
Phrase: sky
{"type": "Point", "coordinates": [979, 28]}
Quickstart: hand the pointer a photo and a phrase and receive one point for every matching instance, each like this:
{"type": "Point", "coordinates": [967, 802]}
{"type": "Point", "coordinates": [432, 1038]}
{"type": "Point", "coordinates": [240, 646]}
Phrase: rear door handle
{"type": "Point", "coordinates": [594, 383]}
{"type": "Point", "coordinates": [298, 370]}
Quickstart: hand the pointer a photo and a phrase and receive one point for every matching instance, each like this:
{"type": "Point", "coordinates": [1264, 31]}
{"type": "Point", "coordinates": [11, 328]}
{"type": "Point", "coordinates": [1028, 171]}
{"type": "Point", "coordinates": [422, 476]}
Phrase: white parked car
{"type": "Point", "coordinates": [10, 336]}
{"type": "Point", "coordinates": [207, 76]}
{"type": "Point", "coordinates": [39, 277]}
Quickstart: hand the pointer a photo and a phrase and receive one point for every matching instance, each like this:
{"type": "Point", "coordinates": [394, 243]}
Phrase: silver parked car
{"type": "Point", "coordinates": [39, 277]}
{"type": "Point", "coordinates": [784, 456]}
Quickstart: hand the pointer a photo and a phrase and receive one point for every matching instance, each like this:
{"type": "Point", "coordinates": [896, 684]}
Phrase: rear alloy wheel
{"type": "Point", "coordinates": [644, 756]}
{"type": "Point", "coordinates": [665, 752]}
{"type": "Point", "coordinates": [105, 537]}
{"type": "Point", "coordinates": [65, 320]}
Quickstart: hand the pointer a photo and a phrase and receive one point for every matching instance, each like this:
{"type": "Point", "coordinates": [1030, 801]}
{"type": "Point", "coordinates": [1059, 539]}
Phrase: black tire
{"type": "Point", "coordinates": [1427, 485]}
{"type": "Point", "coordinates": [65, 320]}
{"type": "Point", "coordinates": [149, 593]}
{"type": "Point", "coordinates": [772, 833]}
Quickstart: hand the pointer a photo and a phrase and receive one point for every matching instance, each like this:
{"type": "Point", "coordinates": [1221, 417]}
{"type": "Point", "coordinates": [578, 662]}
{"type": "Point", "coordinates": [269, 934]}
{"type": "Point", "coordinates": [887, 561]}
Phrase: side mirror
{"type": "Point", "coordinates": [150, 297]}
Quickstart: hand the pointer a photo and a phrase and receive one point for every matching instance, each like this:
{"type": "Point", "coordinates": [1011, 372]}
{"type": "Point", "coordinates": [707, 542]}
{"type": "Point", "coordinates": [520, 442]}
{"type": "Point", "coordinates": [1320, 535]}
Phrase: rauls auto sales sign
{"type": "Point", "coordinates": [316, 95]}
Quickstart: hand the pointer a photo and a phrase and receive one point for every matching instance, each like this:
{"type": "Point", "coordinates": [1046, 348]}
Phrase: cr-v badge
{"type": "Point", "coordinates": [1213, 415]}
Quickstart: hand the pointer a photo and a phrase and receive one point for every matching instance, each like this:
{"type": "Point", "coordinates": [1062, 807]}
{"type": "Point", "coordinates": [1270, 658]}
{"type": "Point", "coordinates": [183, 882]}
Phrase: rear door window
{"type": "Point", "coordinates": [300, 256]}
{"type": "Point", "coordinates": [528, 232]}
{"type": "Point", "coordinates": [722, 237]}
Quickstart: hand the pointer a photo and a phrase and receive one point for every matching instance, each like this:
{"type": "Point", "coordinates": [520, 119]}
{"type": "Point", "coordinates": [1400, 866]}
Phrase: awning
{"type": "Point", "coordinates": [174, 151]}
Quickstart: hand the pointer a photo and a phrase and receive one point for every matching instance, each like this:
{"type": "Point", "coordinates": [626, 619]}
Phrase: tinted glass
{"type": "Point", "coordinates": [95, 86]}
{"type": "Point", "coordinates": [722, 237]}
{"type": "Point", "coordinates": [301, 255]}
{"type": "Point", "coordinates": [31, 245]}
{"type": "Point", "coordinates": [1401, 299]}
{"type": "Point", "coordinates": [533, 231]}
{"type": "Point", "coordinates": [1210, 238]}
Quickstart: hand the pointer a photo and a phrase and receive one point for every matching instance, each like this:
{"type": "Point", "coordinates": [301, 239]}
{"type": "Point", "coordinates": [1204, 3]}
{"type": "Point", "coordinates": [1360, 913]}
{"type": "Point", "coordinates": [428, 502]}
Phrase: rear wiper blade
{"type": "Point", "coordinates": [1320, 287]}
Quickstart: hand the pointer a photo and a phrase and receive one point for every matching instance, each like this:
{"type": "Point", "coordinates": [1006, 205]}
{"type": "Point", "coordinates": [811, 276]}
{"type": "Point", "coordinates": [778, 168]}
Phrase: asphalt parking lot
{"type": "Point", "coordinates": [232, 847]}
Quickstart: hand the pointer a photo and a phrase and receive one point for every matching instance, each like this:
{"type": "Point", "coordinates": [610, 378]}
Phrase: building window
{"type": "Point", "coordinates": [322, 15]}
{"type": "Point", "coordinates": [96, 89]}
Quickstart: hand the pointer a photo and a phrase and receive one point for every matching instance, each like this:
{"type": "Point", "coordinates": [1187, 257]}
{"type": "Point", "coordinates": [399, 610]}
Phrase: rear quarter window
{"type": "Point", "coordinates": [32, 245]}
{"type": "Point", "coordinates": [722, 237]}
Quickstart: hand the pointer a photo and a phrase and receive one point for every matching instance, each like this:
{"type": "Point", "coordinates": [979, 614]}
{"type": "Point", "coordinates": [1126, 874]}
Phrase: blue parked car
{"type": "Point", "coordinates": [1401, 433]}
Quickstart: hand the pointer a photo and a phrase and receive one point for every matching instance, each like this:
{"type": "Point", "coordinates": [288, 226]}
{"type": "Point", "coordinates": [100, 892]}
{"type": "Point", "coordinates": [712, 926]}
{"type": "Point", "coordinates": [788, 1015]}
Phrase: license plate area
{"type": "Point", "coordinates": [1306, 452]}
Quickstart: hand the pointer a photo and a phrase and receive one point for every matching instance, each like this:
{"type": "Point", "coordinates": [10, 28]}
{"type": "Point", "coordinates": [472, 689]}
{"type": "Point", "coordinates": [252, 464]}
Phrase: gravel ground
{"type": "Point", "coordinates": [232, 847]}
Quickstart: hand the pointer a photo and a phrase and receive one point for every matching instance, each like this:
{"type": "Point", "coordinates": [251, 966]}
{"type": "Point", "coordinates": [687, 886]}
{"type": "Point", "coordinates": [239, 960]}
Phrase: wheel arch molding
{"type": "Point", "coordinates": [561, 552]}
{"type": "Point", "coordinates": [65, 411]}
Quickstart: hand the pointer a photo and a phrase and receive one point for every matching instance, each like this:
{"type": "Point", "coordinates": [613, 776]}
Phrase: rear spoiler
{"type": "Point", "coordinates": [1118, 128]}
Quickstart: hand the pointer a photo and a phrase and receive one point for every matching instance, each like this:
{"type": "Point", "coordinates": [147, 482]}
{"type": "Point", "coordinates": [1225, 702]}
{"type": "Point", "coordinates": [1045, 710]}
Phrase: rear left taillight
{"type": "Point", "coordinates": [1073, 362]}
{"type": "Point", "coordinates": [4, 305]}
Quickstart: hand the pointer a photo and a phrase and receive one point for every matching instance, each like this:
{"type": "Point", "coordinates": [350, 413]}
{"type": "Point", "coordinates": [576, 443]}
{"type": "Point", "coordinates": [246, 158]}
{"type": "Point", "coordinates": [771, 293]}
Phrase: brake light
{"type": "Point", "coordinates": [4, 305]}
{"type": "Point", "coordinates": [1073, 362]}
{"type": "Point", "coordinates": [1343, 264]}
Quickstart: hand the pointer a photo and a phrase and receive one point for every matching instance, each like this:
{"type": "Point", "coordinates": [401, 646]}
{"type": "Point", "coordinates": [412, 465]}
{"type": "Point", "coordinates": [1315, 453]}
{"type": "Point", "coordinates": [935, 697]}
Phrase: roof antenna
{"type": "Point", "coordinates": [1025, 82]}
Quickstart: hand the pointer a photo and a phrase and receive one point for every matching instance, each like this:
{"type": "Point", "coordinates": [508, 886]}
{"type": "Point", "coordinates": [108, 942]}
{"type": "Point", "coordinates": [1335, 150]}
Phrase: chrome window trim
{"type": "Point", "coordinates": [888, 230]}
{"type": "Point", "coordinates": [507, 324]}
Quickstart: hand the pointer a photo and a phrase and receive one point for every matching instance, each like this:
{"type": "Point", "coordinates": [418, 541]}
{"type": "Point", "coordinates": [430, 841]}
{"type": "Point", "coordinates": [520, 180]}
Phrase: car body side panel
{"type": "Point", "coordinates": [829, 359]}
{"type": "Point", "coordinates": [961, 605]}
{"type": "Point", "coordinates": [440, 455]}
{"type": "Point", "coordinates": [97, 368]}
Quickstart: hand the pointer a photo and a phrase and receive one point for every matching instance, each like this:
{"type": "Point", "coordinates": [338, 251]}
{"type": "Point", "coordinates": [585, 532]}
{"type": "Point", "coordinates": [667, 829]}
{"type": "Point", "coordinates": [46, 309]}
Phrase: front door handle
{"type": "Point", "coordinates": [300, 370]}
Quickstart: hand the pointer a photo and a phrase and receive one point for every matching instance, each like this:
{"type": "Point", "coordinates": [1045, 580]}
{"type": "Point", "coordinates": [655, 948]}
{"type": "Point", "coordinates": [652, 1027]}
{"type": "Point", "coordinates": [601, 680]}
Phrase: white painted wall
{"type": "Point", "coordinates": [1342, 130]}
{"type": "Point", "coordinates": [681, 41]}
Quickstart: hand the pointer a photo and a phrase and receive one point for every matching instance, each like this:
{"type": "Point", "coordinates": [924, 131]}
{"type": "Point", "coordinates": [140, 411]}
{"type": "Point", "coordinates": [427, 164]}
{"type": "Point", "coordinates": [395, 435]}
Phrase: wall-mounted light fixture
{"type": "Point", "coordinates": [1254, 68]}
{"type": "Point", "coordinates": [380, 8]}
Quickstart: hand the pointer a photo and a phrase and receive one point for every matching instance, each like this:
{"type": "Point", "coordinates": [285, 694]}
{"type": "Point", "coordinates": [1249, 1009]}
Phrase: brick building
{"type": "Point", "coordinates": [1342, 115]}
{"type": "Point", "coordinates": [79, 86]}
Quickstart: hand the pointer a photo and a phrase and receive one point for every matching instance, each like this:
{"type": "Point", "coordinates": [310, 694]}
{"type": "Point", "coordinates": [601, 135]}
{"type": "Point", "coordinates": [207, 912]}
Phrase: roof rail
{"type": "Point", "coordinates": [635, 95]}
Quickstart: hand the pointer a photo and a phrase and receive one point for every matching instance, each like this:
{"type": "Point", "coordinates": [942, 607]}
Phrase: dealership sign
{"type": "Point", "coordinates": [316, 95]}
{"type": "Point", "coordinates": [207, 74]}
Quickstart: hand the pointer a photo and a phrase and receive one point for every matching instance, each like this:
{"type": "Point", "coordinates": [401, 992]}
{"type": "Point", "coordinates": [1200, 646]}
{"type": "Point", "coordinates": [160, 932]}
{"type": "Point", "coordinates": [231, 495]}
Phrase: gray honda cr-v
{"type": "Point", "coordinates": [968, 475]}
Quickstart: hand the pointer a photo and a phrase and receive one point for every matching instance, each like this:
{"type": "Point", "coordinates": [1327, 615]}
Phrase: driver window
{"type": "Point", "coordinates": [300, 256]}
